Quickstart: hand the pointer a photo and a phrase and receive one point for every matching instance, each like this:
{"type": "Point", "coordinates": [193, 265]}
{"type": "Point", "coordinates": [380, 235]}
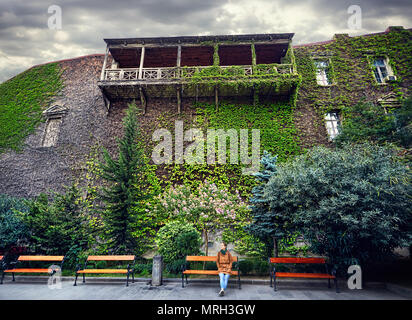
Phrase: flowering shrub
{"type": "Point", "coordinates": [208, 208]}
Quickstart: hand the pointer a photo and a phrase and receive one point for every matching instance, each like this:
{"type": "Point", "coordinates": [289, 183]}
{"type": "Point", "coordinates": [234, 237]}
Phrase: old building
{"type": "Point", "coordinates": [168, 76]}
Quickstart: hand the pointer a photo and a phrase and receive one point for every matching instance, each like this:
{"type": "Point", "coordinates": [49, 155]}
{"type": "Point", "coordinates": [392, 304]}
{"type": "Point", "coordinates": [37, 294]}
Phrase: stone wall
{"type": "Point", "coordinates": [37, 169]}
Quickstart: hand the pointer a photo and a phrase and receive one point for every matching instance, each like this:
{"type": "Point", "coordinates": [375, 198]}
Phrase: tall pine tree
{"type": "Point", "coordinates": [121, 196]}
{"type": "Point", "coordinates": [266, 225]}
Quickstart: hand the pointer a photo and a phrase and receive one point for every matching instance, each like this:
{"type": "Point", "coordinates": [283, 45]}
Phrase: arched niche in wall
{"type": "Point", "coordinates": [54, 117]}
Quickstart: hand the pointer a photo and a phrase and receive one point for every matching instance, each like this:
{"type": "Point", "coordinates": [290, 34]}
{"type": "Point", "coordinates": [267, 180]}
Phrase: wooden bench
{"type": "Point", "coordinates": [22, 259]}
{"type": "Point", "coordinates": [326, 275]}
{"type": "Point", "coordinates": [126, 271]}
{"type": "Point", "coordinates": [186, 272]}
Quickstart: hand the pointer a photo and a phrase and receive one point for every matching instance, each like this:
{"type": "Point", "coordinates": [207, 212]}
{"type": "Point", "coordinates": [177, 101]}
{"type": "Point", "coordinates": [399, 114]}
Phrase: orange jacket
{"type": "Point", "coordinates": [224, 262]}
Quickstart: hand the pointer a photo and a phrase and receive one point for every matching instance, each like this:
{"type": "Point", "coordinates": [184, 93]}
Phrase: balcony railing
{"type": "Point", "coordinates": [176, 73]}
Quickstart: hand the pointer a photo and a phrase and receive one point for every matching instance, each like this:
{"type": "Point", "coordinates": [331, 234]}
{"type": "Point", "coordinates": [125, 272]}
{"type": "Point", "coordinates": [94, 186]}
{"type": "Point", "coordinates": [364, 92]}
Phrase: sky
{"type": "Point", "coordinates": [30, 33]}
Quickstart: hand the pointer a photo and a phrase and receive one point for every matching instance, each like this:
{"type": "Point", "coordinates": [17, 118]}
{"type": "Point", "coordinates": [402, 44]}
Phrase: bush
{"type": "Point", "coordinates": [176, 240]}
{"type": "Point", "coordinates": [246, 266]}
{"type": "Point", "coordinates": [256, 267]}
{"type": "Point", "coordinates": [12, 228]}
{"type": "Point", "coordinates": [175, 267]}
{"type": "Point", "coordinates": [369, 122]}
{"type": "Point", "coordinates": [57, 226]}
{"type": "Point", "coordinates": [144, 269]}
{"type": "Point", "coordinates": [350, 204]}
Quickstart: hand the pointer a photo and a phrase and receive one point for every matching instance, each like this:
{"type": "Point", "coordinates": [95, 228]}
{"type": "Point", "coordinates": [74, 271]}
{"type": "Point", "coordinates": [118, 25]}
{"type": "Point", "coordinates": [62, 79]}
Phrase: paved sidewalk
{"type": "Point", "coordinates": [96, 289]}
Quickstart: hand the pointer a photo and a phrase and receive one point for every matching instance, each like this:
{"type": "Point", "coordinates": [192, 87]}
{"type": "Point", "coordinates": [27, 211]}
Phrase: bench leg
{"type": "Point", "coordinates": [274, 282]}
{"type": "Point", "coordinates": [84, 278]}
{"type": "Point", "coordinates": [13, 277]}
{"type": "Point", "coordinates": [329, 283]}
{"type": "Point", "coordinates": [133, 276]}
{"type": "Point", "coordinates": [238, 281]}
{"type": "Point", "coordinates": [183, 280]}
{"type": "Point", "coordinates": [127, 280]}
{"type": "Point", "coordinates": [186, 278]}
{"type": "Point", "coordinates": [2, 277]}
{"type": "Point", "coordinates": [271, 280]}
{"type": "Point", "coordinates": [336, 285]}
{"type": "Point", "coordinates": [75, 279]}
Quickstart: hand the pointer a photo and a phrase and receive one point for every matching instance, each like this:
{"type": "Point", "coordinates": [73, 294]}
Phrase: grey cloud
{"type": "Point", "coordinates": [24, 33]}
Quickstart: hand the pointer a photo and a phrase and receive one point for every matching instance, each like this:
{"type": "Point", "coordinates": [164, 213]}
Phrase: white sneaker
{"type": "Point", "coordinates": [221, 293]}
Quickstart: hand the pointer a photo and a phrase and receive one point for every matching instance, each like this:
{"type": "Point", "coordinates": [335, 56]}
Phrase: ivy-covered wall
{"type": "Point", "coordinates": [351, 72]}
{"type": "Point", "coordinates": [287, 128]}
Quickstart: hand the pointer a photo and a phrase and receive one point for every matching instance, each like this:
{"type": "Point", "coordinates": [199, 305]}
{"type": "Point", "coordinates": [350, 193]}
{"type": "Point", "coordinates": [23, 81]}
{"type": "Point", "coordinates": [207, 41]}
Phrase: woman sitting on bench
{"type": "Point", "coordinates": [224, 266]}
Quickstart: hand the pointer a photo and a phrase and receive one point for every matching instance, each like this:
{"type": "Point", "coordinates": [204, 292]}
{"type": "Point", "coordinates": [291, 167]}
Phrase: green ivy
{"type": "Point", "coordinates": [351, 70]}
{"type": "Point", "coordinates": [22, 100]}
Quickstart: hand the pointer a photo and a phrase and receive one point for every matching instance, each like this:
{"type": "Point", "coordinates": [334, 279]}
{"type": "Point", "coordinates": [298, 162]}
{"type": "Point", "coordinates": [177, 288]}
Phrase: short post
{"type": "Point", "coordinates": [157, 274]}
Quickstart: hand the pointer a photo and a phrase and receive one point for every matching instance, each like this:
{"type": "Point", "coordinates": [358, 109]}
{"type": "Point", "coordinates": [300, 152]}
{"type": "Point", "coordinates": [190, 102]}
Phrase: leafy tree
{"type": "Point", "coordinates": [268, 224]}
{"type": "Point", "coordinates": [208, 208]}
{"type": "Point", "coordinates": [59, 225]}
{"type": "Point", "coordinates": [127, 188]}
{"type": "Point", "coordinates": [367, 121]}
{"type": "Point", "coordinates": [12, 229]}
{"type": "Point", "coordinates": [351, 204]}
{"type": "Point", "coordinates": [176, 240]}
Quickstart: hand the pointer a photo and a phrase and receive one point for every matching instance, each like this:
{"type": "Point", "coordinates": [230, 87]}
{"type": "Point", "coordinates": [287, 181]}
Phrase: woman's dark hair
{"type": "Point", "coordinates": [224, 243]}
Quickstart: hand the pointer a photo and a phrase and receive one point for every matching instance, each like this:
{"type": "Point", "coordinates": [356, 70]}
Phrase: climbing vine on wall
{"type": "Point", "coordinates": [351, 69]}
{"type": "Point", "coordinates": [277, 134]}
{"type": "Point", "coordinates": [22, 100]}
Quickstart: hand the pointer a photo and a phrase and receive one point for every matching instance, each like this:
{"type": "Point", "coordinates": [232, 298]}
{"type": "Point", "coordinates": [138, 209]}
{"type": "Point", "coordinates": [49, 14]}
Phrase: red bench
{"type": "Point", "coordinates": [2, 267]}
{"type": "Point", "coordinates": [23, 259]}
{"type": "Point", "coordinates": [274, 274]}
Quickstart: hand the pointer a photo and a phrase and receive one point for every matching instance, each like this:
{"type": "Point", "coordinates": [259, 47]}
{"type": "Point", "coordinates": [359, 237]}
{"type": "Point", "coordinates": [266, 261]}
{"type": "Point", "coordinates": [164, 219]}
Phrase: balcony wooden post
{"type": "Point", "coordinates": [143, 100]}
{"type": "Point", "coordinates": [179, 59]}
{"type": "Point", "coordinates": [252, 48]}
{"type": "Point", "coordinates": [141, 63]}
{"type": "Point", "coordinates": [104, 63]}
{"type": "Point", "coordinates": [106, 102]}
{"type": "Point", "coordinates": [216, 58]}
{"type": "Point", "coordinates": [179, 100]}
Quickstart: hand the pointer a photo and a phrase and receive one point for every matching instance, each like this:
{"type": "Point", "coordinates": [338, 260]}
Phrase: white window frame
{"type": "Point", "coordinates": [332, 118]}
{"type": "Point", "coordinates": [377, 69]}
{"type": "Point", "coordinates": [322, 78]}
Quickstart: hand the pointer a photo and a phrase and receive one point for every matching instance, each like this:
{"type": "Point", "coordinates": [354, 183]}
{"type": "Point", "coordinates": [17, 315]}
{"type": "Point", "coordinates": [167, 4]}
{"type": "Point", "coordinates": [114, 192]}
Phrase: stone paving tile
{"type": "Point", "coordinates": [173, 291]}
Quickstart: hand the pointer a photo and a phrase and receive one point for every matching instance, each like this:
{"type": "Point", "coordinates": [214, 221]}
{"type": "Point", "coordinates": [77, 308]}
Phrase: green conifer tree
{"type": "Point", "coordinates": [121, 196]}
{"type": "Point", "coordinates": [266, 225]}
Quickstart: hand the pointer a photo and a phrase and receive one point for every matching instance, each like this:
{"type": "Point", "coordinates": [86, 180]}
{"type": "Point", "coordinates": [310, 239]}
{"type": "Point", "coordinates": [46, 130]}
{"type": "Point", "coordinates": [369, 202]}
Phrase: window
{"type": "Point", "coordinates": [332, 124]}
{"type": "Point", "coordinates": [382, 70]}
{"type": "Point", "coordinates": [54, 116]}
{"type": "Point", "coordinates": [322, 67]}
{"type": "Point", "coordinates": [52, 132]}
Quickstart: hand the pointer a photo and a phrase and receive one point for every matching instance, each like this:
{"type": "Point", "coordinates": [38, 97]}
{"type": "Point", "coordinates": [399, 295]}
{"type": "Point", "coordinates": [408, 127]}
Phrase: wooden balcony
{"type": "Point", "coordinates": [198, 66]}
{"type": "Point", "coordinates": [193, 81]}
{"type": "Point", "coordinates": [186, 73]}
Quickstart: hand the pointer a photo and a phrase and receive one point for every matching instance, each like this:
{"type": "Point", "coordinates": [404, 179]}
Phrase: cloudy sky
{"type": "Point", "coordinates": [27, 40]}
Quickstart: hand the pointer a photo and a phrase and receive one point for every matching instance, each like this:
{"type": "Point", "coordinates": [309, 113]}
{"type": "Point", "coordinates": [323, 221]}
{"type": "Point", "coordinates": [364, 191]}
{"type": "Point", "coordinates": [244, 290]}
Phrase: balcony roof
{"type": "Point", "coordinates": [270, 37]}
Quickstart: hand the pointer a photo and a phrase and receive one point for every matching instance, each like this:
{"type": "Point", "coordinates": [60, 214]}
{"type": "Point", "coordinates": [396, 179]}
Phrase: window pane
{"type": "Point", "coordinates": [379, 62]}
{"type": "Point", "coordinates": [321, 74]}
{"type": "Point", "coordinates": [377, 76]}
{"type": "Point", "coordinates": [332, 122]}
{"type": "Point", "coordinates": [384, 72]}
